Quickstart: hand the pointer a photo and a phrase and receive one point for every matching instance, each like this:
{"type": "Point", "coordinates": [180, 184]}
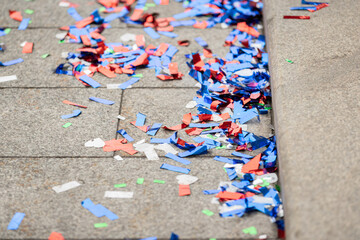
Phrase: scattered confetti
{"type": "Point", "coordinates": [16, 221]}
{"type": "Point", "coordinates": [66, 186]}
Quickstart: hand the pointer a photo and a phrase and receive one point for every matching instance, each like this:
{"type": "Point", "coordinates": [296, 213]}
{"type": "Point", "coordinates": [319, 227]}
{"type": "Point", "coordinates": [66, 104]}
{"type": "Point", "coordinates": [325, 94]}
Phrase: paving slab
{"type": "Point", "coordinates": [315, 103]}
{"type": "Point", "coordinates": [38, 72]}
{"type": "Point", "coordinates": [31, 123]}
{"type": "Point", "coordinates": [28, 189]}
{"type": "Point", "coordinates": [167, 106]}
{"type": "Point", "coordinates": [48, 14]}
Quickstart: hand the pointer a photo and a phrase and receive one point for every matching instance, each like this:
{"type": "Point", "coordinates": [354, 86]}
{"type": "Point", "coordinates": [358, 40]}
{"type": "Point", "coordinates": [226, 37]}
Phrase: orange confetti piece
{"type": "Point", "coordinates": [73, 104]}
{"type": "Point", "coordinates": [28, 47]}
{"type": "Point", "coordinates": [86, 21]}
{"type": "Point", "coordinates": [252, 165]}
{"type": "Point", "coordinates": [242, 26]}
{"type": "Point", "coordinates": [108, 3]}
{"type": "Point", "coordinates": [161, 49]}
{"type": "Point", "coordinates": [142, 60]}
{"type": "Point", "coordinates": [194, 131]}
{"type": "Point", "coordinates": [176, 127]}
{"type": "Point", "coordinates": [187, 118]}
{"type": "Point", "coordinates": [15, 15]}
{"type": "Point", "coordinates": [96, 35]}
{"type": "Point", "coordinates": [173, 67]}
{"type": "Point", "coordinates": [184, 190]}
{"type": "Point", "coordinates": [230, 195]}
{"type": "Point", "coordinates": [117, 145]}
{"type": "Point", "coordinates": [200, 25]}
{"type": "Point", "coordinates": [86, 40]}
{"type": "Point", "coordinates": [56, 236]}
{"type": "Point", "coordinates": [164, 2]}
{"type": "Point", "coordinates": [106, 72]}
{"type": "Point", "coordinates": [140, 40]}
{"type": "Point", "coordinates": [165, 29]}
{"type": "Point", "coordinates": [136, 14]}
{"type": "Point", "coordinates": [142, 128]}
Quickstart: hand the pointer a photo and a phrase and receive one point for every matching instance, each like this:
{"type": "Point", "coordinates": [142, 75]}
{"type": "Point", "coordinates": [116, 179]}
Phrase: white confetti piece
{"type": "Point", "coordinates": [64, 4]}
{"type": "Point", "coordinates": [118, 194]}
{"type": "Point", "coordinates": [23, 44]}
{"type": "Point", "coordinates": [121, 117]}
{"type": "Point", "coordinates": [113, 86]}
{"type": "Point", "coordinates": [66, 186]}
{"type": "Point", "coordinates": [61, 35]}
{"type": "Point", "coordinates": [167, 148]}
{"type": "Point", "coordinates": [186, 179]}
{"type": "Point", "coordinates": [117, 157]}
{"type": "Point", "coordinates": [97, 142]}
{"type": "Point", "coordinates": [191, 104]}
{"type": "Point", "coordinates": [8, 78]}
{"type": "Point", "coordinates": [128, 37]}
{"type": "Point", "coordinates": [151, 154]}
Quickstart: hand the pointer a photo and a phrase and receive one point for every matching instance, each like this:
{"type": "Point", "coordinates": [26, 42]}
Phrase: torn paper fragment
{"type": "Point", "coordinates": [73, 104]}
{"type": "Point", "coordinates": [174, 168]}
{"type": "Point", "coordinates": [71, 115]}
{"type": "Point", "coordinates": [113, 86]}
{"type": "Point", "coordinates": [88, 80]}
{"type": "Point", "coordinates": [186, 179]}
{"type": "Point", "coordinates": [140, 119]}
{"type": "Point", "coordinates": [121, 117]}
{"type": "Point", "coordinates": [8, 78]}
{"type": "Point", "coordinates": [97, 143]}
{"type": "Point", "coordinates": [128, 83]}
{"type": "Point", "coordinates": [177, 159]}
{"type": "Point", "coordinates": [128, 37]}
{"type": "Point", "coordinates": [125, 135]}
{"type": "Point", "coordinates": [167, 148]}
{"type": "Point", "coordinates": [16, 221]}
{"type": "Point", "coordinates": [56, 236]}
{"type": "Point", "coordinates": [118, 194]}
{"type": "Point", "coordinates": [118, 158]}
{"type": "Point", "coordinates": [98, 210]}
{"type": "Point", "coordinates": [191, 104]}
{"type": "Point", "coordinates": [100, 100]}
{"type": "Point", "coordinates": [184, 190]}
{"type": "Point", "coordinates": [66, 186]}
{"type": "Point", "coordinates": [154, 129]}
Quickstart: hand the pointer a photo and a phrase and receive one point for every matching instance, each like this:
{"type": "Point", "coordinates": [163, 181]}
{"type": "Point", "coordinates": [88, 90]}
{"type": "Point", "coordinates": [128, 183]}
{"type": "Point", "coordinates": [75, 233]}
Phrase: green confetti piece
{"type": "Point", "coordinates": [30, 21]}
{"type": "Point", "coordinates": [62, 41]}
{"type": "Point", "coordinates": [159, 181]}
{"type": "Point", "coordinates": [100, 225]}
{"type": "Point", "coordinates": [145, 8]}
{"type": "Point", "coordinates": [138, 75]}
{"type": "Point", "coordinates": [66, 125]}
{"type": "Point", "coordinates": [221, 147]}
{"type": "Point", "coordinates": [7, 30]}
{"type": "Point", "coordinates": [265, 183]}
{"type": "Point", "coordinates": [278, 188]}
{"type": "Point", "coordinates": [150, 5]}
{"type": "Point", "coordinates": [45, 55]}
{"type": "Point", "coordinates": [140, 181]}
{"type": "Point", "coordinates": [207, 212]}
{"type": "Point", "coordinates": [211, 136]}
{"type": "Point", "coordinates": [268, 108]}
{"type": "Point", "coordinates": [208, 129]}
{"type": "Point", "coordinates": [29, 11]}
{"type": "Point", "coordinates": [288, 60]}
{"type": "Point", "coordinates": [102, 9]}
{"type": "Point", "coordinates": [120, 185]}
{"type": "Point", "coordinates": [250, 230]}
{"type": "Point", "coordinates": [212, 238]}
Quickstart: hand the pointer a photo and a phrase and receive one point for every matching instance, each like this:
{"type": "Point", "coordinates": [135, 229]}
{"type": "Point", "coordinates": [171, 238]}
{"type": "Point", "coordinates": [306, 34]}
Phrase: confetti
{"type": "Point", "coordinates": [8, 78]}
{"type": "Point", "coordinates": [207, 212]}
{"type": "Point", "coordinates": [66, 186]}
{"type": "Point", "coordinates": [16, 221]}
{"type": "Point", "coordinates": [100, 225]}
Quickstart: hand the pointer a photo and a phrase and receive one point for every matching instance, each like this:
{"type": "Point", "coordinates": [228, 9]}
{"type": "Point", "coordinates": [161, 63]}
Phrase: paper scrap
{"type": "Point", "coordinates": [207, 212]}
{"type": "Point", "coordinates": [174, 168]}
{"type": "Point", "coordinates": [118, 158]}
{"type": "Point", "coordinates": [56, 236]}
{"type": "Point", "coordinates": [8, 78]}
{"type": "Point", "coordinates": [100, 100]}
{"type": "Point", "coordinates": [100, 225]}
{"type": "Point", "coordinates": [66, 186]}
{"type": "Point", "coordinates": [250, 230]}
{"type": "Point", "coordinates": [71, 115]}
{"type": "Point", "coordinates": [140, 181]}
{"type": "Point", "coordinates": [16, 221]}
{"type": "Point", "coordinates": [118, 194]}
{"type": "Point", "coordinates": [159, 181]}
{"type": "Point", "coordinates": [120, 185]}
{"type": "Point", "coordinates": [97, 143]}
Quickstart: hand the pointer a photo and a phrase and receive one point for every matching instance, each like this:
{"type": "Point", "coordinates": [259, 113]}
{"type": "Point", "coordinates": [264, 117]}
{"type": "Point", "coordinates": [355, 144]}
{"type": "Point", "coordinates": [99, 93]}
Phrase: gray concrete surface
{"type": "Point", "coordinates": [155, 210]}
{"type": "Point", "coordinates": [37, 153]}
{"type": "Point", "coordinates": [316, 106]}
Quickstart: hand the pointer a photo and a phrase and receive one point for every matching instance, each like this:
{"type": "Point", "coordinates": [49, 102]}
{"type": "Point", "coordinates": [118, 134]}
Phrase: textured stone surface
{"type": "Point", "coordinates": [316, 104]}
{"type": "Point", "coordinates": [28, 189]}
{"type": "Point", "coordinates": [31, 123]}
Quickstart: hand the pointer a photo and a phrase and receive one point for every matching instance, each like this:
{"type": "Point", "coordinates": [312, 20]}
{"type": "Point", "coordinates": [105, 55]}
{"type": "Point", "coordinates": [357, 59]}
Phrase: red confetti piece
{"type": "Point", "coordinates": [73, 104]}
{"type": "Point", "coordinates": [28, 47]}
{"type": "Point", "coordinates": [297, 17]}
{"type": "Point", "coordinates": [15, 15]}
{"type": "Point", "coordinates": [184, 190]}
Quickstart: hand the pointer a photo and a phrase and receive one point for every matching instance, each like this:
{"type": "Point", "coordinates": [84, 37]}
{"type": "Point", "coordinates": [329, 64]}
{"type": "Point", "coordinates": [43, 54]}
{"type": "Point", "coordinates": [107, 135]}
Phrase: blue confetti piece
{"type": "Point", "coordinates": [195, 151]}
{"type": "Point", "coordinates": [248, 115]}
{"type": "Point", "coordinates": [149, 238]}
{"type": "Point", "coordinates": [125, 135]}
{"type": "Point", "coordinates": [168, 34]}
{"type": "Point", "coordinates": [238, 212]}
{"type": "Point", "coordinates": [75, 113]}
{"type": "Point", "coordinates": [224, 160]}
{"type": "Point", "coordinates": [98, 210]}
{"type": "Point", "coordinates": [203, 125]}
{"type": "Point", "coordinates": [100, 100]}
{"type": "Point", "coordinates": [154, 129]}
{"type": "Point", "coordinates": [210, 192]}
{"type": "Point", "coordinates": [243, 155]}
{"type": "Point", "coordinates": [74, 14]}
{"type": "Point", "coordinates": [201, 42]}
{"type": "Point", "coordinates": [129, 83]}
{"type": "Point", "coordinates": [114, 16]}
{"type": "Point", "coordinates": [90, 81]}
{"type": "Point", "coordinates": [11, 62]}
{"type": "Point", "coordinates": [241, 184]}
{"type": "Point", "coordinates": [174, 236]}
{"type": "Point", "coordinates": [178, 159]}
{"type": "Point", "coordinates": [174, 168]}
{"type": "Point", "coordinates": [140, 119]}
{"type": "Point", "coordinates": [160, 140]}
{"type": "Point", "coordinates": [16, 221]}
{"type": "Point", "coordinates": [151, 32]}
{"type": "Point", "coordinates": [231, 173]}
{"type": "Point", "coordinates": [24, 24]}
